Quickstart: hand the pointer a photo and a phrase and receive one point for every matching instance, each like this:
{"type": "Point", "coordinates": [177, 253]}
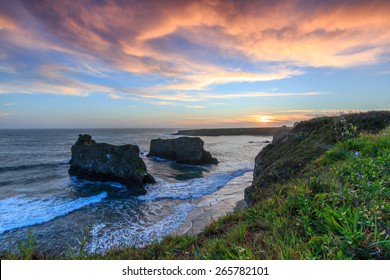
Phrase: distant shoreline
{"type": "Point", "coordinates": [253, 131]}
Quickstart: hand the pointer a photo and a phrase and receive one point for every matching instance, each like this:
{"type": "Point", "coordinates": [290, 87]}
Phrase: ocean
{"type": "Point", "coordinates": [38, 195]}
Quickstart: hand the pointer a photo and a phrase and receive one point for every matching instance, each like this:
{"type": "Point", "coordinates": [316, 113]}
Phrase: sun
{"type": "Point", "coordinates": [264, 119]}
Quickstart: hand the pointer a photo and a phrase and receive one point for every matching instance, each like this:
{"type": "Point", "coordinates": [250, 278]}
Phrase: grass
{"type": "Point", "coordinates": [307, 141]}
{"type": "Point", "coordinates": [336, 208]}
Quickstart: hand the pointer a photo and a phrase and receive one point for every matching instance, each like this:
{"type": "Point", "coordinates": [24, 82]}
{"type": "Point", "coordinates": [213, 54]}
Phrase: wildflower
{"type": "Point", "coordinates": [356, 154]}
{"type": "Point", "coordinates": [359, 175]}
{"type": "Point", "coordinates": [388, 231]}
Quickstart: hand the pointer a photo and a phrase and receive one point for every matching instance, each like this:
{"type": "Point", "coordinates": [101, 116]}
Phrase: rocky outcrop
{"type": "Point", "coordinates": [187, 150]}
{"type": "Point", "coordinates": [291, 151]}
{"type": "Point", "coordinates": [105, 162]}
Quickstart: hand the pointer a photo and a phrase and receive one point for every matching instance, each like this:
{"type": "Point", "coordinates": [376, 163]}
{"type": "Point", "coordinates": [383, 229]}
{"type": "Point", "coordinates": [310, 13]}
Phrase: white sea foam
{"type": "Point", "coordinates": [83, 182]}
{"type": "Point", "coordinates": [120, 219]}
{"type": "Point", "coordinates": [138, 233]}
{"type": "Point", "coordinates": [116, 185]}
{"type": "Point", "coordinates": [19, 211]}
{"type": "Point", "coordinates": [194, 188]}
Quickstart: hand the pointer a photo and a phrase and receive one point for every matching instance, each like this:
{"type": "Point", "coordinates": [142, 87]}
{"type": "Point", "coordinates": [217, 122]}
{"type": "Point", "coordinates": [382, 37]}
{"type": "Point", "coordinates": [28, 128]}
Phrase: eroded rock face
{"type": "Point", "coordinates": [105, 162]}
{"type": "Point", "coordinates": [187, 150]}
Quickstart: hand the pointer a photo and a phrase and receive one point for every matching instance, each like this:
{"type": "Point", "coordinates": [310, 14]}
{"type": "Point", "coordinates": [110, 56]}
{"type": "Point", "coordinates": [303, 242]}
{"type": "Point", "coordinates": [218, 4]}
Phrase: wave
{"type": "Point", "coordinates": [33, 166]}
{"type": "Point", "coordinates": [17, 211]}
{"type": "Point", "coordinates": [194, 188]}
{"type": "Point", "coordinates": [82, 183]}
{"type": "Point", "coordinates": [140, 233]}
{"type": "Point", "coordinates": [174, 163]}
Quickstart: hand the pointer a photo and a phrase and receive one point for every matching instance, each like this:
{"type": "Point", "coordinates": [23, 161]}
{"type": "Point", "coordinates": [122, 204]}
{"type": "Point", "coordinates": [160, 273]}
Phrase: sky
{"type": "Point", "coordinates": [188, 64]}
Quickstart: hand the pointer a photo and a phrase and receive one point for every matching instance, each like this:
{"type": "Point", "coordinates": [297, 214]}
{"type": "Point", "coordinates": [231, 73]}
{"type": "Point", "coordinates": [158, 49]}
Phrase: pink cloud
{"type": "Point", "coordinates": [320, 35]}
{"type": "Point", "coordinates": [256, 27]}
{"type": "Point", "coordinates": [130, 36]}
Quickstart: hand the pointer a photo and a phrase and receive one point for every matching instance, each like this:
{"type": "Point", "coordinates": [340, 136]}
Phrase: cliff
{"type": "Point", "coordinates": [291, 151]}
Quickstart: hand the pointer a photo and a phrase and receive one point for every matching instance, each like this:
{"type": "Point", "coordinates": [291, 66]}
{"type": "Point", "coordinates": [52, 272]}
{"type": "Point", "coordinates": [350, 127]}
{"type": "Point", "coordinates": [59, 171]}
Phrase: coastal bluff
{"type": "Point", "coordinates": [105, 162]}
{"type": "Point", "coordinates": [186, 150]}
{"type": "Point", "coordinates": [253, 131]}
{"type": "Point", "coordinates": [290, 152]}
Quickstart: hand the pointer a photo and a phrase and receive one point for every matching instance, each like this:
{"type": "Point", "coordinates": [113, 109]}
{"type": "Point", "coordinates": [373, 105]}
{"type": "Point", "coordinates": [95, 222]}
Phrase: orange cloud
{"type": "Point", "coordinates": [338, 35]}
{"type": "Point", "coordinates": [267, 119]}
{"type": "Point", "coordinates": [147, 38]}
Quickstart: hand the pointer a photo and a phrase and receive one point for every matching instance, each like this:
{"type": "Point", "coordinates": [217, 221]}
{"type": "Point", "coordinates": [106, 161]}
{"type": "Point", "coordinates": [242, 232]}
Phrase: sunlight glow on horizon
{"type": "Point", "coordinates": [265, 119]}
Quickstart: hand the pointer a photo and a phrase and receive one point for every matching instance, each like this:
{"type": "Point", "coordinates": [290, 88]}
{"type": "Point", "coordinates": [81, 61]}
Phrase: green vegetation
{"type": "Point", "coordinates": [26, 249]}
{"type": "Point", "coordinates": [307, 141]}
{"type": "Point", "coordinates": [336, 208]}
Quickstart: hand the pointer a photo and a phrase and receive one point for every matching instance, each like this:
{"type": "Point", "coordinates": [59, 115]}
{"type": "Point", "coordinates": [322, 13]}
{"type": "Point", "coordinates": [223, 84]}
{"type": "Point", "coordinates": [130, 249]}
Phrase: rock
{"type": "Point", "coordinates": [188, 150]}
{"type": "Point", "coordinates": [105, 162]}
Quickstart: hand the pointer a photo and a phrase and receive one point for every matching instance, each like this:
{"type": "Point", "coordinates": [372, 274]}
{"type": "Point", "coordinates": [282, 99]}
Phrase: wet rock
{"type": "Point", "coordinates": [105, 162]}
{"type": "Point", "coordinates": [187, 150]}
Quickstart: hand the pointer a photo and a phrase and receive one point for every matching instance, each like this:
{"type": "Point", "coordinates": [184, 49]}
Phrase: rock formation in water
{"type": "Point", "coordinates": [291, 151]}
{"type": "Point", "coordinates": [187, 150]}
{"type": "Point", "coordinates": [105, 162]}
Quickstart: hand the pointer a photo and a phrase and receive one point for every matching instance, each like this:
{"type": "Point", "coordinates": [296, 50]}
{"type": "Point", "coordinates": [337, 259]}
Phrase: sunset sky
{"type": "Point", "coordinates": [124, 64]}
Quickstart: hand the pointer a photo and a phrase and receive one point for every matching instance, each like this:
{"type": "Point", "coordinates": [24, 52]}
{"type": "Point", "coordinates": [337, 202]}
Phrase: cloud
{"type": "Point", "coordinates": [39, 87]}
{"type": "Point", "coordinates": [310, 113]}
{"type": "Point", "coordinates": [7, 68]}
{"type": "Point", "coordinates": [162, 103]}
{"type": "Point", "coordinates": [146, 94]}
{"type": "Point", "coordinates": [262, 94]}
{"type": "Point", "coordinates": [57, 79]}
{"type": "Point", "coordinates": [202, 81]}
{"type": "Point", "coordinates": [386, 72]}
{"type": "Point", "coordinates": [5, 113]}
{"type": "Point", "coordinates": [337, 34]}
{"type": "Point", "coordinates": [189, 47]}
{"type": "Point", "coordinates": [262, 119]}
{"type": "Point", "coordinates": [289, 117]}
{"type": "Point", "coordinates": [195, 106]}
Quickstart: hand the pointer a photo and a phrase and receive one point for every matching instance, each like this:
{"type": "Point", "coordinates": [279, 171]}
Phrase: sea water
{"type": "Point", "coordinates": [37, 194]}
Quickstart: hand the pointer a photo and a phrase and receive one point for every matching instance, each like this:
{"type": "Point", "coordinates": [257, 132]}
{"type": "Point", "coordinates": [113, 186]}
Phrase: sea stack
{"type": "Point", "coordinates": [105, 162]}
{"type": "Point", "coordinates": [186, 150]}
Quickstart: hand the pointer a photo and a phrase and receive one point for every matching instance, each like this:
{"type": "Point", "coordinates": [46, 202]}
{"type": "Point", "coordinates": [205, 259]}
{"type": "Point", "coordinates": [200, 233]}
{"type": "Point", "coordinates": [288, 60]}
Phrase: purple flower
{"type": "Point", "coordinates": [356, 154]}
{"type": "Point", "coordinates": [359, 175]}
{"type": "Point", "coordinates": [388, 231]}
